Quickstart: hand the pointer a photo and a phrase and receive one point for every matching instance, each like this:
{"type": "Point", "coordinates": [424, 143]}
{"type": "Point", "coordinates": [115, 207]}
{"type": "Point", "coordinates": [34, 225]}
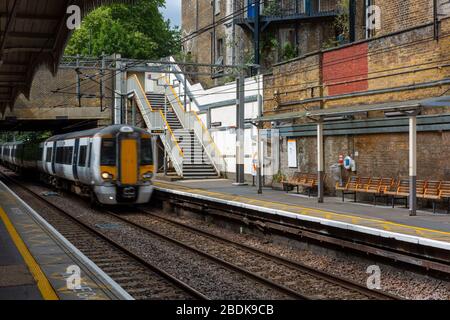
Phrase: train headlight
{"type": "Point", "coordinates": [147, 175]}
{"type": "Point", "coordinates": [107, 176]}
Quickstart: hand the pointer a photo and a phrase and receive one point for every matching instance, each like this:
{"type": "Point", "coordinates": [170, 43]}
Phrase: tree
{"type": "Point", "coordinates": [136, 31]}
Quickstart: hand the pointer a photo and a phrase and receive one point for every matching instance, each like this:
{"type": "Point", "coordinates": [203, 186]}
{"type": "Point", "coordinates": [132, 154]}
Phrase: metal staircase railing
{"type": "Point", "coordinates": [156, 120]}
{"type": "Point", "coordinates": [190, 120]}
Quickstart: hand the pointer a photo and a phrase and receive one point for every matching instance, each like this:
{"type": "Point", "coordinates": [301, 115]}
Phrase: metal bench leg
{"type": "Point", "coordinates": [355, 196]}
{"type": "Point", "coordinates": [374, 199]}
{"type": "Point", "coordinates": [298, 190]}
{"type": "Point", "coordinates": [309, 192]}
{"type": "Point", "coordinates": [434, 206]}
{"type": "Point", "coordinates": [343, 196]}
{"type": "Point", "coordinates": [393, 202]}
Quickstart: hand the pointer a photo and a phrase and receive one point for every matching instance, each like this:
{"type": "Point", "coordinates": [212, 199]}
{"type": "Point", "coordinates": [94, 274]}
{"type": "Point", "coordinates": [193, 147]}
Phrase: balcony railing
{"type": "Point", "coordinates": [273, 9]}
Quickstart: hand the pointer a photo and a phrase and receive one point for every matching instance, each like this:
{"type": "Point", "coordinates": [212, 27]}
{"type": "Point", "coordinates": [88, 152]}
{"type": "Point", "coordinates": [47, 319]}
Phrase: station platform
{"type": "Point", "coordinates": [426, 228]}
{"type": "Point", "coordinates": [38, 263]}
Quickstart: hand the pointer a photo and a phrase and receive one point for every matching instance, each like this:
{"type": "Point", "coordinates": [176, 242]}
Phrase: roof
{"type": "Point", "coordinates": [113, 129]}
{"type": "Point", "coordinates": [352, 110]}
{"type": "Point", "coordinates": [33, 33]}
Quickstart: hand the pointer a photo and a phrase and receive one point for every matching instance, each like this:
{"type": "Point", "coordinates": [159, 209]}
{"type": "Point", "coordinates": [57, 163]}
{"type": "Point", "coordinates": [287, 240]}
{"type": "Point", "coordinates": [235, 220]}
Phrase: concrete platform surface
{"type": "Point", "coordinates": [426, 228]}
{"type": "Point", "coordinates": [36, 262]}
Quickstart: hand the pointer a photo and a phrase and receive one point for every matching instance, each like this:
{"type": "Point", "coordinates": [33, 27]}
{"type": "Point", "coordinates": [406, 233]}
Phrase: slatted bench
{"type": "Point", "coordinates": [431, 192]}
{"type": "Point", "coordinates": [311, 182]}
{"type": "Point", "coordinates": [376, 187]}
{"type": "Point", "coordinates": [294, 181]}
{"type": "Point", "coordinates": [402, 191]}
{"type": "Point", "coordinates": [349, 187]}
{"type": "Point", "coordinates": [444, 193]}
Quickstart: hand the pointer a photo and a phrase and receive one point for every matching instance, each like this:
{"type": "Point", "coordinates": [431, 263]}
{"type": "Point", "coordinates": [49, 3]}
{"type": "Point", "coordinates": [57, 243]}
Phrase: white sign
{"type": "Point", "coordinates": [292, 153]}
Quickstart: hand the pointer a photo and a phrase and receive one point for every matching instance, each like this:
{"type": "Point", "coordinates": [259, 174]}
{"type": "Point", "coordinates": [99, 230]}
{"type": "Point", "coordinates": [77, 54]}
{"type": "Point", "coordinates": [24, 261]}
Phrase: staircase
{"type": "Point", "coordinates": [196, 164]}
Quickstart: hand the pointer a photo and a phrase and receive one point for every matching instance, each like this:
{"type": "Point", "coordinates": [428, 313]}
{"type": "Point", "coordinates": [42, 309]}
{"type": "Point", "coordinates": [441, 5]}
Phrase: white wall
{"type": "Point", "coordinates": [225, 136]}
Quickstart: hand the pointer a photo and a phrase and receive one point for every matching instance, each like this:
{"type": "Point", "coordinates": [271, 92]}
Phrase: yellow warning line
{"type": "Point", "coordinates": [313, 210]}
{"type": "Point", "coordinates": [47, 291]}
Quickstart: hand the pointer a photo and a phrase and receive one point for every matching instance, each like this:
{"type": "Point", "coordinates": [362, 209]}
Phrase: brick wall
{"type": "Point", "coordinates": [44, 84]}
{"type": "Point", "coordinates": [404, 14]}
{"type": "Point", "coordinates": [349, 65]}
{"type": "Point", "coordinates": [403, 59]}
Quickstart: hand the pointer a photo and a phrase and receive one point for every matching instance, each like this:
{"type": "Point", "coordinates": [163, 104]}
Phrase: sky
{"type": "Point", "coordinates": [173, 11]}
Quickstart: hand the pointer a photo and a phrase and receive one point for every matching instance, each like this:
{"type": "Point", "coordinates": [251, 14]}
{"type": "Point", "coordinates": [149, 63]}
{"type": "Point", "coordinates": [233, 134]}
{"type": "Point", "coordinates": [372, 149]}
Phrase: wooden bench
{"type": "Point", "coordinates": [311, 182]}
{"type": "Point", "coordinates": [402, 191]}
{"type": "Point", "coordinates": [444, 193]}
{"type": "Point", "coordinates": [349, 187]}
{"type": "Point", "coordinates": [431, 192]}
{"type": "Point", "coordinates": [376, 187]}
{"type": "Point", "coordinates": [293, 181]}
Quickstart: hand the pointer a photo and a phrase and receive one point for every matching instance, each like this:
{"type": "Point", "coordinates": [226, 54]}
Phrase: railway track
{"type": "Point", "coordinates": [289, 278]}
{"type": "Point", "coordinates": [141, 279]}
{"type": "Point", "coordinates": [290, 274]}
{"type": "Point", "coordinates": [277, 291]}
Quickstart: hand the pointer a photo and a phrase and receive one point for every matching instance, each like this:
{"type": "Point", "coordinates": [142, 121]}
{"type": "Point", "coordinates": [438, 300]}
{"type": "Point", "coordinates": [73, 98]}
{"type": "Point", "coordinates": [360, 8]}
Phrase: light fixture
{"type": "Point", "coordinates": [405, 113]}
{"type": "Point", "coordinates": [338, 118]}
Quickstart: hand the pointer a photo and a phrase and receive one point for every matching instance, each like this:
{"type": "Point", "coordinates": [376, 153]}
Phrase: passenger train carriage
{"type": "Point", "coordinates": [112, 165]}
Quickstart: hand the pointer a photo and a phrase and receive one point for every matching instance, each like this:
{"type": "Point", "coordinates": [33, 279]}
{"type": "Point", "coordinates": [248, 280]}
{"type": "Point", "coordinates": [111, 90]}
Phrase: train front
{"type": "Point", "coordinates": [124, 165]}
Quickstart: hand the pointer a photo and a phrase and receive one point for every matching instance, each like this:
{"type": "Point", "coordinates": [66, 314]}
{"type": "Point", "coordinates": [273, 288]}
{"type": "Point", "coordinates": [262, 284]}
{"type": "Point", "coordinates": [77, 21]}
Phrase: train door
{"type": "Point", "coordinates": [75, 159]}
{"type": "Point", "coordinates": [53, 170]}
{"type": "Point", "coordinates": [128, 160]}
{"type": "Point", "coordinates": [83, 170]}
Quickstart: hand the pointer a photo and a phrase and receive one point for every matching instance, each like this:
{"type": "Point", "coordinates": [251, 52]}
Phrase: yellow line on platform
{"type": "Point", "coordinates": [320, 211]}
{"type": "Point", "coordinates": [47, 291]}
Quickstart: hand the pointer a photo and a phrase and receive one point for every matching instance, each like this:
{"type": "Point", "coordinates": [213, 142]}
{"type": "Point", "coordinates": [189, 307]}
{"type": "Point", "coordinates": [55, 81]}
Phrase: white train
{"type": "Point", "coordinates": [111, 165]}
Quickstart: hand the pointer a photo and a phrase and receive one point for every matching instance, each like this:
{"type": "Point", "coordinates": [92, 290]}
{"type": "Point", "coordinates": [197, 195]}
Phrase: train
{"type": "Point", "coordinates": [110, 165]}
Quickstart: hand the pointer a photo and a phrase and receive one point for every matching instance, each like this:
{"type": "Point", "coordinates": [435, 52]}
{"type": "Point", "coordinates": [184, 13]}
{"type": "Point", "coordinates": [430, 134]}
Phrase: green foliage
{"type": "Point", "coordinates": [289, 52]}
{"type": "Point", "coordinates": [277, 178]}
{"type": "Point", "coordinates": [25, 136]}
{"type": "Point", "coordinates": [341, 25]}
{"type": "Point", "coordinates": [273, 8]}
{"type": "Point", "coordinates": [136, 31]}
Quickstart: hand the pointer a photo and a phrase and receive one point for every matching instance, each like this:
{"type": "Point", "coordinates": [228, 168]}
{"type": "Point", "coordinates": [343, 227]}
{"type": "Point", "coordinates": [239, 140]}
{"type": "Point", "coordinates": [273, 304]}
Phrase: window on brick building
{"type": "Point", "coordinates": [220, 50]}
{"type": "Point", "coordinates": [216, 6]}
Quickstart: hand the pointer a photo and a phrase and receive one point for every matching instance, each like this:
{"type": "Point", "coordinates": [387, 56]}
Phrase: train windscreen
{"type": "Point", "coordinates": [108, 153]}
{"type": "Point", "coordinates": [146, 152]}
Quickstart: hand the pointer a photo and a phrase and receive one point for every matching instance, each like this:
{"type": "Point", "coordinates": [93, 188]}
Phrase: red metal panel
{"type": "Point", "coordinates": [345, 70]}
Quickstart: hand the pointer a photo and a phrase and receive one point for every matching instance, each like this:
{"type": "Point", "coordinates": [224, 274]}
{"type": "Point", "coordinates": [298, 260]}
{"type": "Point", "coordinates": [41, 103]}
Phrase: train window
{"type": "Point", "coordinates": [48, 157]}
{"type": "Point", "coordinates": [108, 153]}
{"type": "Point", "coordinates": [82, 156]}
{"type": "Point", "coordinates": [68, 154]}
{"type": "Point", "coordinates": [146, 152]}
{"type": "Point", "coordinates": [59, 155]}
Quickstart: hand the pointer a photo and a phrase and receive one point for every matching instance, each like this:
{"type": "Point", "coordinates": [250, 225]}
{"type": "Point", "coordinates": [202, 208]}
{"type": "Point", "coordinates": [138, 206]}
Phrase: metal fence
{"type": "Point", "coordinates": [246, 9]}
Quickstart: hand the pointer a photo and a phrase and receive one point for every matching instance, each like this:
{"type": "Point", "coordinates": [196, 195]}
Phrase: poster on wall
{"type": "Point", "coordinates": [292, 153]}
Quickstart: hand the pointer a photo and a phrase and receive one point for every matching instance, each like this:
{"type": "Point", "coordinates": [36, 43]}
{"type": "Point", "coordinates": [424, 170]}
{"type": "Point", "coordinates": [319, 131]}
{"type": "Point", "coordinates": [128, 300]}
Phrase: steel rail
{"type": "Point", "coordinates": [326, 276]}
{"type": "Point", "coordinates": [227, 264]}
{"type": "Point", "coordinates": [193, 292]}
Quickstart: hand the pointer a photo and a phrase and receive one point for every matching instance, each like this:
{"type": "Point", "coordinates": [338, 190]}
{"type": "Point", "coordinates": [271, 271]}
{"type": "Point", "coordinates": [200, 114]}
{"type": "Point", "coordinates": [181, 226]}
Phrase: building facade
{"type": "Point", "coordinates": [405, 60]}
{"type": "Point", "coordinates": [223, 31]}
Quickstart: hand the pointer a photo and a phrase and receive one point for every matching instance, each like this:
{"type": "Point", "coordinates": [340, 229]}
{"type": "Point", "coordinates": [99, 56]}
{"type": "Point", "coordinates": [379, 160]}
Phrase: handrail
{"type": "Point", "coordinates": [172, 134]}
{"type": "Point", "coordinates": [216, 157]}
{"type": "Point", "coordinates": [196, 115]}
{"type": "Point", "coordinates": [142, 90]}
{"type": "Point", "coordinates": [157, 118]}
{"type": "Point", "coordinates": [162, 115]}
